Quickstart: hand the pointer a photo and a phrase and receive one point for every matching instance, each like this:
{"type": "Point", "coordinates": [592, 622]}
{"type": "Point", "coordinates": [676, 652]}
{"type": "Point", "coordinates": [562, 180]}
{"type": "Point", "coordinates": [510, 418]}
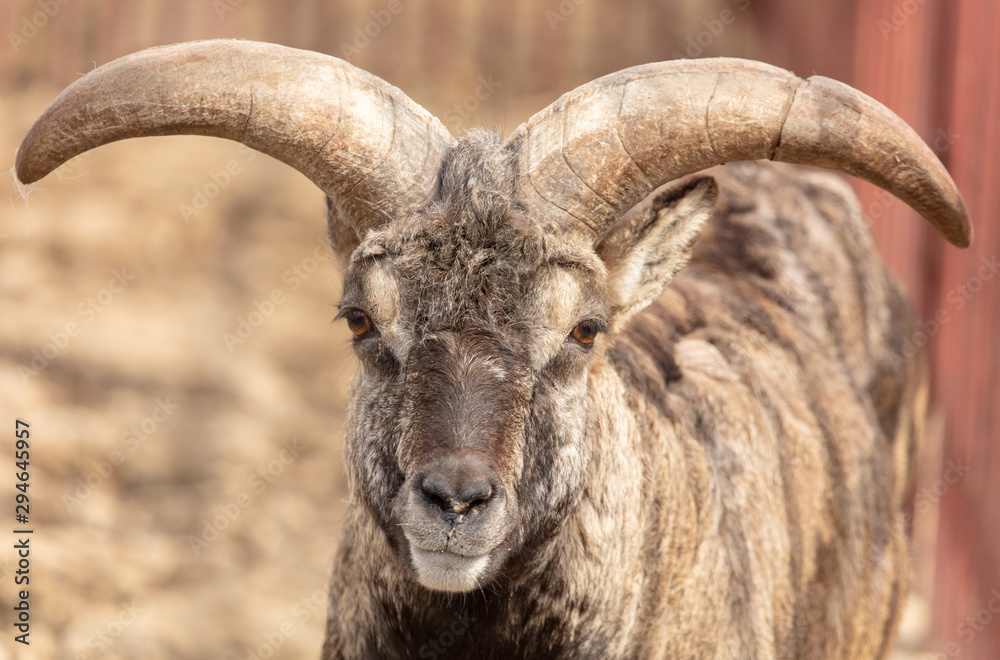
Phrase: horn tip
{"type": "Point", "coordinates": [963, 236]}
{"type": "Point", "coordinates": [25, 171]}
{"type": "Point", "coordinates": [958, 230]}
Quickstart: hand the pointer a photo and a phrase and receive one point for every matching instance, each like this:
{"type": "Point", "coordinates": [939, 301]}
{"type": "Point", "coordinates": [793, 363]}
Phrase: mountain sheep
{"type": "Point", "coordinates": [683, 430]}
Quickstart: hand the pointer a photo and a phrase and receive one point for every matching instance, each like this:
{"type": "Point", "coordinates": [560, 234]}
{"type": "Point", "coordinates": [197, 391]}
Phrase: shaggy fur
{"type": "Point", "coordinates": [719, 476]}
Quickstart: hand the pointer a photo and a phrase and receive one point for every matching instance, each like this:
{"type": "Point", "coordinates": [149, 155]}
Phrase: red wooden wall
{"type": "Point", "coordinates": [967, 361]}
{"type": "Point", "coordinates": [937, 64]}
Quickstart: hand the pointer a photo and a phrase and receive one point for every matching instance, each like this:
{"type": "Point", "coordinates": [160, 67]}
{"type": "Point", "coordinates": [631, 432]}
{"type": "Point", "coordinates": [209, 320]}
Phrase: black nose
{"type": "Point", "coordinates": [458, 486]}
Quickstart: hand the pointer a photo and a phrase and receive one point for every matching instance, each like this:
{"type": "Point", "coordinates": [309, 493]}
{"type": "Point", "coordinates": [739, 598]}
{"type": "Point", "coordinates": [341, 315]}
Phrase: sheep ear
{"type": "Point", "coordinates": [653, 242]}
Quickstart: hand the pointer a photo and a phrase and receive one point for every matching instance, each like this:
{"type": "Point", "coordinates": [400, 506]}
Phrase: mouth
{"type": "Point", "coordinates": [442, 570]}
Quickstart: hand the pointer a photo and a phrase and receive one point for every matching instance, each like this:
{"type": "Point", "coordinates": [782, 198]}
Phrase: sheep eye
{"type": "Point", "coordinates": [359, 323]}
{"type": "Point", "coordinates": [585, 332]}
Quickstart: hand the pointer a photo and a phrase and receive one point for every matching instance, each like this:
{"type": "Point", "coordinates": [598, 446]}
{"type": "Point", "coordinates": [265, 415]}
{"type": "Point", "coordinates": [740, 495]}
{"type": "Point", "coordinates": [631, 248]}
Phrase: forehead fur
{"type": "Point", "coordinates": [468, 257]}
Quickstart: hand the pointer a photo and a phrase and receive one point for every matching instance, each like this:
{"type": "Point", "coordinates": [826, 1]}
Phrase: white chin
{"type": "Point", "coordinates": [446, 571]}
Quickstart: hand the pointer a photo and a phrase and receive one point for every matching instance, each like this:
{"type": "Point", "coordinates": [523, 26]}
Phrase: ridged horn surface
{"type": "Point", "coordinates": [598, 150]}
{"type": "Point", "coordinates": [361, 140]}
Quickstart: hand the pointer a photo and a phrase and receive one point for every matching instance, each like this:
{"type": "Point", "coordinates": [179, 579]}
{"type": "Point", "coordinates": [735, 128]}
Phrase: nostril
{"type": "Point", "coordinates": [476, 494]}
{"type": "Point", "coordinates": [437, 493]}
{"type": "Point", "coordinates": [456, 491]}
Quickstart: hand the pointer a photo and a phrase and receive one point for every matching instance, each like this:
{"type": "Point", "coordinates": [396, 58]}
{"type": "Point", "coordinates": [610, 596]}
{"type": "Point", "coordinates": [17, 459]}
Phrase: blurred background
{"type": "Point", "coordinates": [166, 303]}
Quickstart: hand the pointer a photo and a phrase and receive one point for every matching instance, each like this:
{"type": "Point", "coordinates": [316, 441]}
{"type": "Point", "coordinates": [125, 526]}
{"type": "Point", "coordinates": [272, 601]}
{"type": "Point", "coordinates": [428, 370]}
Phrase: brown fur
{"type": "Point", "coordinates": [720, 476]}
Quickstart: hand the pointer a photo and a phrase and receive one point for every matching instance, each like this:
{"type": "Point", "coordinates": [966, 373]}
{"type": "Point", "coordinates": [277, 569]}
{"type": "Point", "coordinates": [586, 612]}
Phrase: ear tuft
{"type": "Point", "coordinates": [343, 238]}
{"type": "Point", "coordinates": [653, 242]}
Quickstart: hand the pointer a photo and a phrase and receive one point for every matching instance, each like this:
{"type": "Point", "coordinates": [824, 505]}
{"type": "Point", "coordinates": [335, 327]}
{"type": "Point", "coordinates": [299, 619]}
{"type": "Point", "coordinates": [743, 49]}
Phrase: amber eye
{"type": "Point", "coordinates": [359, 323]}
{"type": "Point", "coordinates": [585, 332]}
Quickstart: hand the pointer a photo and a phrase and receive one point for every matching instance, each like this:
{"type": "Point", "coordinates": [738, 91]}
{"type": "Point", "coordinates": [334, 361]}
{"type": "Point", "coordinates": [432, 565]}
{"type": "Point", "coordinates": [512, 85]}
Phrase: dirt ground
{"type": "Point", "coordinates": [166, 332]}
{"type": "Point", "coordinates": [151, 428]}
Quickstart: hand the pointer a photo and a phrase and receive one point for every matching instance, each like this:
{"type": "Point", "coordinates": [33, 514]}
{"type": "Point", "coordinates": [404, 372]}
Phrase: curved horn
{"type": "Point", "coordinates": [361, 140]}
{"type": "Point", "coordinates": [598, 150]}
